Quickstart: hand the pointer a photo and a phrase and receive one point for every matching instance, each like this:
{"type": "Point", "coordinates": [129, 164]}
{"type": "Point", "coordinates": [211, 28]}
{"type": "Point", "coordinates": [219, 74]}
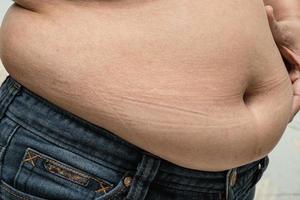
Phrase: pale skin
{"type": "Point", "coordinates": [187, 82]}
{"type": "Point", "coordinates": [284, 20]}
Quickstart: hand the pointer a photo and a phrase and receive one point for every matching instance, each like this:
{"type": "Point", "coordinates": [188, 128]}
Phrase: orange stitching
{"type": "Point", "coordinates": [102, 187]}
{"type": "Point", "coordinates": [11, 192]}
{"type": "Point", "coordinates": [121, 190]}
{"type": "Point", "coordinates": [66, 172]}
{"type": "Point", "coordinates": [76, 171]}
{"type": "Point", "coordinates": [31, 158]}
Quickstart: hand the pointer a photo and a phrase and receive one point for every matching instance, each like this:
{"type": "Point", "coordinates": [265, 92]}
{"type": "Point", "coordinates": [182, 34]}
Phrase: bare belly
{"type": "Point", "coordinates": [189, 82]}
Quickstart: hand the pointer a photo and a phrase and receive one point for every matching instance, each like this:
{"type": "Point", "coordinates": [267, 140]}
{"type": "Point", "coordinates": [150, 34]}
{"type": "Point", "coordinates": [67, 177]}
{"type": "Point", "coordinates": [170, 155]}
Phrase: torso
{"type": "Point", "coordinates": [158, 68]}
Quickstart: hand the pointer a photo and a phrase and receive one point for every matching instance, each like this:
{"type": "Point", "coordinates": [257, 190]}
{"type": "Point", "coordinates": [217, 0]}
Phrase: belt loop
{"type": "Point", "coordinates": [231, 178]}
{"type": "Point", "coordinates": [9, 89]}
{"type": "Point", "coordinates": [145, 174]}
{"type": "Point", "coordinates": [265, 163]}
{"type": "Point", "coordinates": [262, 166]}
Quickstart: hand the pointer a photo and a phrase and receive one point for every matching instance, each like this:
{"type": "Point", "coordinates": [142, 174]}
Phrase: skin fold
{"type": "Point", "coordinates": [200, 84]}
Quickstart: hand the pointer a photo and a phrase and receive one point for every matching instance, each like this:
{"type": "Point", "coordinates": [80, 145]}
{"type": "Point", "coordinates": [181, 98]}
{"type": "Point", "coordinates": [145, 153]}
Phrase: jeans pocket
{"type": "Point", "coordinates": [10, 193]}
{"type": "Point", "coordinates": [44, 176]}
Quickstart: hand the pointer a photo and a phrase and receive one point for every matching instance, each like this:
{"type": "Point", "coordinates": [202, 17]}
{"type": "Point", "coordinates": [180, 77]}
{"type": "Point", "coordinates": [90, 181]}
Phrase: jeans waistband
{"type": "Point", "coordinates": [60, 126]}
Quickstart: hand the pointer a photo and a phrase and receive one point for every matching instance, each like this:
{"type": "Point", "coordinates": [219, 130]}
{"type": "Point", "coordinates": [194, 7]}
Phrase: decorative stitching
{"type": "Point", "coordinates": [63, 144]}
{"type": "Point", "coordinates": [12, 193]}
{"type": "Point", "coordinates": [31, 157]}
{"type": "Point", "coordinates": [65, 166]}
{"type": "Point", "coordinates": [117, 193]}
{"type": "Point", "coordinates": [102, 188]}
{"type": "Point", "coordinates": [103, 185]}
{"type": "Point", "coordinates": [138, 183]}
{"type": "Point", "coordinates": [66, 172]}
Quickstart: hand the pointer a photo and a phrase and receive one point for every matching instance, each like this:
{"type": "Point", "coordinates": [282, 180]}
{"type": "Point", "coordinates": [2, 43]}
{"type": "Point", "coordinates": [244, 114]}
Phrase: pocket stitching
{"type": "Point", "coordinates": [12, 193]}
{"type": "Point", "coordinates": [67, 168]}
{"type": "Point", "coordinates": [117, 193]}
{"type": "Point", "coordinates": [104, 185]}
{"type": "Point", "coordinates": [66, 145]}
{"type": "Point", "coordinates": [46, 157]}
{"type": "Point", "coordinates": [20, 168]}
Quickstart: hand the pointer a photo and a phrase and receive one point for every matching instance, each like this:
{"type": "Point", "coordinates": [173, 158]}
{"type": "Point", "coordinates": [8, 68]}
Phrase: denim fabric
{"type": "Point", "coordinates": [48, 153]}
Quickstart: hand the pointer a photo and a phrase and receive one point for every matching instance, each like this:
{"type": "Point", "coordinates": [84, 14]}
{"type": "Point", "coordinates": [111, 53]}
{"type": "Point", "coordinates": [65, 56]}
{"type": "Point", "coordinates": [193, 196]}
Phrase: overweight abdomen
{"type": "Point", "coordinates": [183, 76]}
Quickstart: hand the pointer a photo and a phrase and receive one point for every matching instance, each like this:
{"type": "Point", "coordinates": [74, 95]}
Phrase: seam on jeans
{"type": "Point", "coordinates": [84, 178]}
{"type": "Point", "coordinates": [250, 183]}
{"type": "Point", "coordinates": [138, 184]}
{"type": "Point", "coordinates": [39, 172]}
{"type": "Point", "coordinates": [16, 85]}
{"type": "Point", "coordinates": [31, 157]}
{"type": "Point", "coordinates": [65, 146]}
{"type": "Point", "coordinates": [8, 86]}
{"type": "Point", "coordinates": [163, 183]}
{"type": "Point", "coordinates": [118, 189]}
{"type": "Point", "coordinates": [14, 194]}
{"type": "Point", "coordinates": [4, 148]}
{"type": "Point", "coordinates": [4, 94]}
{"type": "Point", "coordinates": [221, 176]}
{"type": "Point", "coordinates": [104, 186]}
{"type": "Point", "coordinates": [67, 167]}
{"type": "Point", "coordinates": [46, 158]}
{"type": "Point", "coordinates": [11, 89]}
{"type": "Point", "coordinates": [119, 192]}
{"type": "Point", "coordinates": [19, 170]}
{"type": "Point", "coordinates": [11, 136]}
{"type": "Point", "coordinates": [81, 120]}
{"type": "Point", "coordinates": [174, 188]}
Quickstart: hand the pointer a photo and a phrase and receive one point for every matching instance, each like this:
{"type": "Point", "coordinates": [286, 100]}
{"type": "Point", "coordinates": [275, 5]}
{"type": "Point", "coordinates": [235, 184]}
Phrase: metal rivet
{"type": "Point", "coordinates": [127, 181]}
{"type": "Point", "coordinates": [259, 166]}
{"type": "Point", "coordinates": [233, 178]}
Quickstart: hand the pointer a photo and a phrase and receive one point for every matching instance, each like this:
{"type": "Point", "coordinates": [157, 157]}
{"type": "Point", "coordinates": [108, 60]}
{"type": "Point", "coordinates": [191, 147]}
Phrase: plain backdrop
{"type": "Point", "coordinates": [4, 4]}
{"type": "Point", "coordinates": [282, 179]}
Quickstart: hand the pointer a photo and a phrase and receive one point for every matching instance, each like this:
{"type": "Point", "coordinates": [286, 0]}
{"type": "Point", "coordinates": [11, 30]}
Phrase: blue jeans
{"type": "Point", "coordinates": [48, 153]}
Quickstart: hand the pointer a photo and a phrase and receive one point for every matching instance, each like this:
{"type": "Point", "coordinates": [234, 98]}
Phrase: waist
{"type": "Point", "coordinates": [63, 129]}
{"type": "Point", "coordinates": [153, 80]}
